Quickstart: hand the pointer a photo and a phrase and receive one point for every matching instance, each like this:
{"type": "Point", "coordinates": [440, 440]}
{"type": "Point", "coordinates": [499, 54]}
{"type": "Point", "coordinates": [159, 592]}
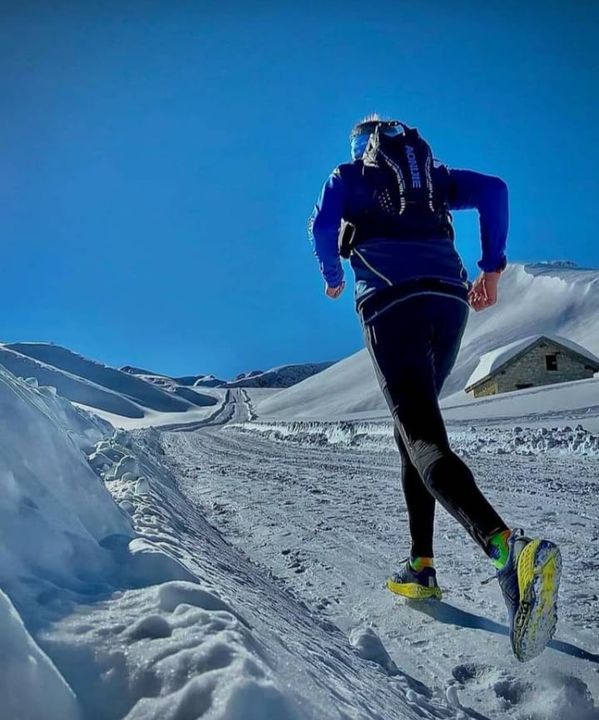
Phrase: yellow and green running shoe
{"type": "Point", "coordinates": [415, 584]}
{"type": "Point", "coordinates": [529, 582]}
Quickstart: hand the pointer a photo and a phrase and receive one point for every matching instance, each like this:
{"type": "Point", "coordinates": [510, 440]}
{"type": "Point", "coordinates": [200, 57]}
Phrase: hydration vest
{"type": "Point", "coordinates": [397, 198]}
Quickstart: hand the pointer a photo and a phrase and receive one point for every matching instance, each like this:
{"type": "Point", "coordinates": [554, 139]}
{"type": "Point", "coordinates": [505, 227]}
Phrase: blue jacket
{"type": "Point", "coordinates": [383, 262]}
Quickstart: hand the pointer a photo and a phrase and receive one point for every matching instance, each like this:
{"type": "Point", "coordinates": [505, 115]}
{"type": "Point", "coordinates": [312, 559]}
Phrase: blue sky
{"type": "Point", "coordinates": [159, 160]}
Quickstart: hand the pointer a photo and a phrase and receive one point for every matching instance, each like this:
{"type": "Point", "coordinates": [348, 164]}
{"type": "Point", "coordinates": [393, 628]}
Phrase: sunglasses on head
{"type": "Point", "coordinates": [388, 127]}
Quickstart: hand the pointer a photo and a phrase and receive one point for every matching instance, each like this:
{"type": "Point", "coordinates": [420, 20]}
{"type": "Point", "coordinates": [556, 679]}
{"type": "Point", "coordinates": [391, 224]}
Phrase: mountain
{"type": "Point", "coordinates": [115, 394]}
{"type": "Point", "coordinates": [132, 370]}
{"type": "Point", "coordinates": [134, 397]}
{"type": "Point", "coordinates": [208, 381]}
{"type": "Point", "coordinates": [279, 377]}
{"type": "Point", "coordinates": [550, 298]}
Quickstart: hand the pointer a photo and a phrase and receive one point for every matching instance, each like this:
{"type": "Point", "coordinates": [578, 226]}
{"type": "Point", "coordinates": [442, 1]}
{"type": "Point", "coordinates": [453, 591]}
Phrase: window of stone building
{"type": "Point", "coordinates": [523, 386]}
{"type": "Point", "coordinates": [551, 361]}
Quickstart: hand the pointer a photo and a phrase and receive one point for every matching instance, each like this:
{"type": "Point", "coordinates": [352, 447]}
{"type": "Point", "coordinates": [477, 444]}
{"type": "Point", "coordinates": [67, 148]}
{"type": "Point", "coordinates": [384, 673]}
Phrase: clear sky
{"type": "Point", "coordinates": [159, 160]}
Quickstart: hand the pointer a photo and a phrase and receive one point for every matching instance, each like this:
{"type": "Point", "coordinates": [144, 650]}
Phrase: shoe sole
{"type": "Point", "coordinates": [413, 591]}
{"type": "Point", "coordinates": [539, 570]}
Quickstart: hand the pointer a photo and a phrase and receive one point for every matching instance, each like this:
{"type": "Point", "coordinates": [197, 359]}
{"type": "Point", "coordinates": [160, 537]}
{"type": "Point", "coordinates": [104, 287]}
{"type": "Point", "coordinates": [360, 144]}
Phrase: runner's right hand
{"type": "Point", "coordinates": [483, 293]}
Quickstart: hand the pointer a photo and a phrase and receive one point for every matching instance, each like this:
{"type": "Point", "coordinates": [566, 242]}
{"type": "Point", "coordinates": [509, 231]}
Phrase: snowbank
{"type": "Point", "coordinates": [30, 686]}
{"type": "Point", "coordinates": [379, 436]}
{"type": "Point", "coordinates": [572, 402]}
{"type": "Point", "coordinates": [54, 511]}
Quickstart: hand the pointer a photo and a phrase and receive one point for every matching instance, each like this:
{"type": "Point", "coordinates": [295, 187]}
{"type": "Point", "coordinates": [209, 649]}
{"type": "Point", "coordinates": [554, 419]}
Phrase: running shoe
{"type": "Point", "coordinates": [529, 582]}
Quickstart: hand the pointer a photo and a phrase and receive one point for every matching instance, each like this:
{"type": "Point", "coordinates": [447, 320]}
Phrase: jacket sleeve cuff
{"type": "Point", "coordinates": [334, 277]}
{"type": "Point", "coordinates": [496, 265]}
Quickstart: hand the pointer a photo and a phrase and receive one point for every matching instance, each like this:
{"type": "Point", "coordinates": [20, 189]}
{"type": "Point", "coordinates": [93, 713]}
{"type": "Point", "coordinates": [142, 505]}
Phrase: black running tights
{"type": "Point", "coordinates": [413, 344]}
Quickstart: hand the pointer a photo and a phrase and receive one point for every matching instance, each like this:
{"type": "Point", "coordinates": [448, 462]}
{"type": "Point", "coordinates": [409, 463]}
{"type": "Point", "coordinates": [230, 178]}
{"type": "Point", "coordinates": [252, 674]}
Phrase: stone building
{"type": "Point", "coordinates": [532, 361]}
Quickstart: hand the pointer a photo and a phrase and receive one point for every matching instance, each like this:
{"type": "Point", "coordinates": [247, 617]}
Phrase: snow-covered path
{"type": "Point", "coordinates": [331, 522]}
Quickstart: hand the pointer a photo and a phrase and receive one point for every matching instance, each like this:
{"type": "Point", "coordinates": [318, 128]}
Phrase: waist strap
{"type": "Point", "coordinates": [380, 300]}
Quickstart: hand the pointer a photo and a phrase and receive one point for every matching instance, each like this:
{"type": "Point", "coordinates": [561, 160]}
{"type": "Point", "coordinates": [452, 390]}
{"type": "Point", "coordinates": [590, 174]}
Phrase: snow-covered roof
{"type": "Point", "coordinates": [494, 360]}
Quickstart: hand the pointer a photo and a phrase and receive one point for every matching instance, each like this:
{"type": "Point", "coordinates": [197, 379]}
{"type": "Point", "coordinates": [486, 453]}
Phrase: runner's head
{"type": "Point", "coordinates": [362, 131]}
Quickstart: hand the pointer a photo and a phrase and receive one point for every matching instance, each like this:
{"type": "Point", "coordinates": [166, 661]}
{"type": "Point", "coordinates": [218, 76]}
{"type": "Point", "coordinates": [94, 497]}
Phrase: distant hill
{"type": "Point", "coordinates": [133, 396]}
{"type": "Point", "coordinates": [138, 371]}
{"type": "Point", "coordinates": [279, 377]}
{"type": "Point", "coordinates": [95, 385]}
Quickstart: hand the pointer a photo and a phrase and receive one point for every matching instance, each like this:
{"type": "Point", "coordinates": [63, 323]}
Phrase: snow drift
{"type": "Point", "coordinates": [113, 393]}
{"type": "Point", "coordinates": [54, 511]}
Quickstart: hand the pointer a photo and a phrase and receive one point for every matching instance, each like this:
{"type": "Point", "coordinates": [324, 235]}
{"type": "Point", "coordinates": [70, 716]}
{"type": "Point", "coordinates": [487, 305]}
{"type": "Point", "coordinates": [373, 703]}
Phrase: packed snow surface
{"type": "Point", "coordinates": [320, 505]}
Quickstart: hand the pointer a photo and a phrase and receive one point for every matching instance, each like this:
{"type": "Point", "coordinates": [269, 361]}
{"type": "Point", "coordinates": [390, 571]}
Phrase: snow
{"type": "Point", "coordinates": [345, 389]}
{"type": "Point", "coordinates": [533, 299]}
{"type": "Point", "coordinates": [277, 377]}
{"type": "Point", "coordinates": [30, 686]}
{"type": "Point", "coordinates": [119, 600]}
{"type": "Point", "coordinates": [319, 504]}
{"type": "Point", "coordinates": [194, 597]}
{"type": "Point", "coordinates": [572, 402]}
{"type": "Point", "coordinates": [132, 397]}
{"type": "Point", "coordinates": [494, 360]}
{"type": "Point", "coordinates": [54, 511]}
{"type": "Point", "coordinates": [121, 398]}
{"type": "Point", "coordinates": [374, 436]}
{"type": "Point", "coordinates": [369, 646]}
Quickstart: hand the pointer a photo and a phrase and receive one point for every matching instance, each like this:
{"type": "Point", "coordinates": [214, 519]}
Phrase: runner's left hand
{"type": "Point", "coordinates": [334, 292]}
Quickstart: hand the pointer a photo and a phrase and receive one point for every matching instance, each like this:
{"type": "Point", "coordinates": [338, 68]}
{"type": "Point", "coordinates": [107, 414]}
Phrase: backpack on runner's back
{"type": "Point", "coordinates": [403, 202]}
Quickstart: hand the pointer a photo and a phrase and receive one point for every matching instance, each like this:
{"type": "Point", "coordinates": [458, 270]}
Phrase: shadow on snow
{"type": "Point", "coordinates": [451, 615]}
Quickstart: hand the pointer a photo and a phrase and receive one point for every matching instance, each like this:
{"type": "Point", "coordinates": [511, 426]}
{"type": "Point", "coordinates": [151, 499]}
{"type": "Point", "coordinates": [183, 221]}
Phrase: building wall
{"type": "Point", "coordinates": [487, 388]}
{"type": "Point", "coordinates": [530, 369]}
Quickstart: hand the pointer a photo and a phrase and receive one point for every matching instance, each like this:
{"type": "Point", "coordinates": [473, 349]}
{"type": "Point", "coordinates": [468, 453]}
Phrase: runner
{"type": "Point", "coordinates": [389, 212]}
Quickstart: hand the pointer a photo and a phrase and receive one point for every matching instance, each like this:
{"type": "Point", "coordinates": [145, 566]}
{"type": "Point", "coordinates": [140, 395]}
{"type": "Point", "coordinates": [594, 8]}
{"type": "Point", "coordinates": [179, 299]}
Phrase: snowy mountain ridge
{"type": "Point", "coordinates": [119, 397]}
{"type": "Point", "coordinates": [282, 376]}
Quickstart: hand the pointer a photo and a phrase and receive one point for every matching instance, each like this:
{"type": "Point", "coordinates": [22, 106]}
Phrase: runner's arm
{"type": "Point", "coordinates": [324, 229]}
{"type": "Point", "coordinates": [470, 190]}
